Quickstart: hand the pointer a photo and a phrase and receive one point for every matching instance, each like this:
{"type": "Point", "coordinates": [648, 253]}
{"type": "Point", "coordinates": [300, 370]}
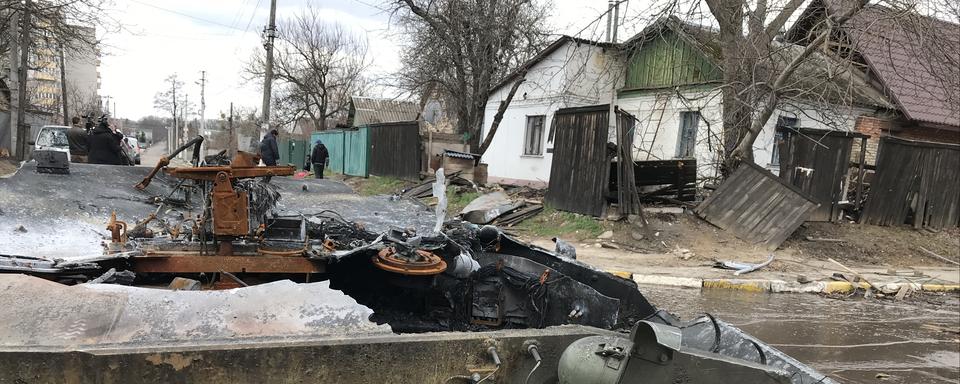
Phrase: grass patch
{"type": "Point", "coordinates": [553, 223]}
{"type": "Point", "coordinates": [456, 201]}
{"type": "Point", "coordinates": [377, 185]}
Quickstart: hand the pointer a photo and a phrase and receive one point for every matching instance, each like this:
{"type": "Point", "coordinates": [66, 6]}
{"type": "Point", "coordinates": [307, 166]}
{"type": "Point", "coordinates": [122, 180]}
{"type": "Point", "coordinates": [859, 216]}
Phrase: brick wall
{"type": "Point", "coordinates": [875, 127]}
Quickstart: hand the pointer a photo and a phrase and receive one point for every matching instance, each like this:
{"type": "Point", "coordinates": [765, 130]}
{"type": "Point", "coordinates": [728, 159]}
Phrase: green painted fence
{"type": "Point", "coordinates": [349, 150]}
{"type": "Point", "coordinates": [294, 151]}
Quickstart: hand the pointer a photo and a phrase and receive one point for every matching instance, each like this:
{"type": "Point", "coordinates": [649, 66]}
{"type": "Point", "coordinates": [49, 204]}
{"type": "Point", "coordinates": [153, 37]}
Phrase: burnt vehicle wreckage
{"type": "Point", "coordinates": [217, 224]}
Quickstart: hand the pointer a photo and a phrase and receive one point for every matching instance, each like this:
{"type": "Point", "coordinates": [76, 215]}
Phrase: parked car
{"type": "Point", "coordinates": [132, 147]}
{"type": "Point", "coordinates": [52, 137]}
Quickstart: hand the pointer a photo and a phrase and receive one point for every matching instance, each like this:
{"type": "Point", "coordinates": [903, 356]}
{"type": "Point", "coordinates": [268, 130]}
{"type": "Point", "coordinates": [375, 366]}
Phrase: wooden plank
{"type": "Point", "coordinates": [757, 206]}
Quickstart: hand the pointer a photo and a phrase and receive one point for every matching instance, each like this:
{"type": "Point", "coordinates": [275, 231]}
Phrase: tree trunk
{"type": "Point", "coordinates": [499, 116]}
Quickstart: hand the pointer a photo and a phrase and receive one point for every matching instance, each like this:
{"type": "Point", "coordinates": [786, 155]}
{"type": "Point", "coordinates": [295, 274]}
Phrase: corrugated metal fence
{"type": "Point", "coordinates": [389, 149]}
{"type": "Point", "coordinates": [916, 183]}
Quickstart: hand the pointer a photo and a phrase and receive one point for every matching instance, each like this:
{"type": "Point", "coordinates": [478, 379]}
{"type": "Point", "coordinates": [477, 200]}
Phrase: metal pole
{"type": "Point", "coordinates": [175, 135]}
{"type": "Point", "coordinates": [203, 108]}
{"type": "Point", "coordinates": [609, 17]}
{"type": "Point", "coordinates": [23, 129]}
{"type": "Point", "coordinates": [232, 140]}
{"type": "Point", "coordinates": [269, 34]}
{"type": "Point", "coordinates": [616, 20]}
{"type": "Point", "coordinates": [63, 87]}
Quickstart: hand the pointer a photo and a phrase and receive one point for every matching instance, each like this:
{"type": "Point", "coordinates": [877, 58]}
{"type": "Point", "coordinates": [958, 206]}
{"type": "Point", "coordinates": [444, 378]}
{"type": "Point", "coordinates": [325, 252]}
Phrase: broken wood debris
{"type": "Point", "coordinates": [931, 253]}
{"type": "Point", "coordinates": [757, 206]}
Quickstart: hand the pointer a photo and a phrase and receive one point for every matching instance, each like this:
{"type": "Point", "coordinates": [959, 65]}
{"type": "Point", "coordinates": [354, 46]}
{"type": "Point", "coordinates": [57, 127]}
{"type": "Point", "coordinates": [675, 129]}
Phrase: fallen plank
{"type": "Point", "coordinates": [931, 253]}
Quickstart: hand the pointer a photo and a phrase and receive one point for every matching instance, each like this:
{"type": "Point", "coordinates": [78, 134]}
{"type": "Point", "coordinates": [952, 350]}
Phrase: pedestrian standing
{"type": "Point", "coordinates": [269, 152]}
{"type": "Point", "coordinates": [319, 158]}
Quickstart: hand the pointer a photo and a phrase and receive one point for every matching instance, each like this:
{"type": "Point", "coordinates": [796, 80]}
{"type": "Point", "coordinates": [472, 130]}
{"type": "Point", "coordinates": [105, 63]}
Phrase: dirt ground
{"type": "Point", "coordinates": [7, 167]}
{"type": "Point", "coordinates": [693, 240]}
{"type": "Point", "coordinates": [684, 240]}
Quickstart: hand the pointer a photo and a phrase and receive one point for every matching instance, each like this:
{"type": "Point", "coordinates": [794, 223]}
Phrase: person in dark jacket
{"type": "Point", "coordinates": [77, 138]}
{"type": "Point", "coordinates": [268, 148]}
{"type": "Point", "coordinates": [319, 158]}
{"type": "Point", "coordinates": [104, 146]}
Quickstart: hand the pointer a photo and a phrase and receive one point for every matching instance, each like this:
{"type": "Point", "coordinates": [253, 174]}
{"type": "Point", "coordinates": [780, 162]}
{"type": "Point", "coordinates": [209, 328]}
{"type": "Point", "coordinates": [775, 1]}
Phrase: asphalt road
{"type": "Point", "coordinates": [854, 340]}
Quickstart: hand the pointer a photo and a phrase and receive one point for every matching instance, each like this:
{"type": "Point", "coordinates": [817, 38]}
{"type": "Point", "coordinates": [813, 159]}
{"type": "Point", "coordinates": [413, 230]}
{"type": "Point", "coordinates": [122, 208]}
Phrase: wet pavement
{"type": "Point", "coordinates": [852, 341]}
{"type": "Point", "coordinates": [65, 216]}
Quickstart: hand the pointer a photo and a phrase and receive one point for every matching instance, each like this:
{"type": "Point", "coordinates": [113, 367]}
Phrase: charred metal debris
{"type": "Point", "coordinates": [224, 231]}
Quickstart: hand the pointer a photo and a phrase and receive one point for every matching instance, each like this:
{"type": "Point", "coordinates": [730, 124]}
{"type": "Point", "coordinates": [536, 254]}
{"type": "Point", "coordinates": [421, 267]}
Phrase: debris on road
{"type": "Point", "coordinates": [823, 240]}
{"type": "Point", "coordinates": [931, 253]}
{"type": "Point", "coordinates": [743, 268]}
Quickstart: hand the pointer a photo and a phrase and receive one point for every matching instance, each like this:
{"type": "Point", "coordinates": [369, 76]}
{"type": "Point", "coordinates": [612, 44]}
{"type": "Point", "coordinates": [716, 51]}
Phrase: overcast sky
{"type": "Point", "coordinates": [186, 37]}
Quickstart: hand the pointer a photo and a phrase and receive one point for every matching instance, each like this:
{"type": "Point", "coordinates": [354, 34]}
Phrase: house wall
{"type": "Point", "coordinates": [666, 60]}
{"type": "Point", "coordinates": [663, 117]}
{"type": "Point", "coordinates": [573, 75]}
{"type": "Point", "coordinates": [706, 100]}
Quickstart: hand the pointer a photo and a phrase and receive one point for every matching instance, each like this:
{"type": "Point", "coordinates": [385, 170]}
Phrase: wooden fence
{"type": "Point", "coordinates": [757, 206]}
{"type": "Point", "coordinates": [395, 150]}
{"type": "Point", "coordinates": [916, 183]}
{"type": "Point", "coordinates": [581, 160]}
{"type": "Point", "coordinates": [818, 162]}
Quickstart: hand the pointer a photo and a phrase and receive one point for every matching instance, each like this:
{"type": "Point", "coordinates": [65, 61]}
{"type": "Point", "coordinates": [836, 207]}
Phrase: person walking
{"type": "Point", "coordinates": [269, 152]}
{"type": "Point", "coordinates": [319, 158]}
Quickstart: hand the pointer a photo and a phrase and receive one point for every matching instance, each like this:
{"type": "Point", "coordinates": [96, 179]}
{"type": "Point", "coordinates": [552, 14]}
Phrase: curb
{"type": "Point", "coordinates": [774, 286]}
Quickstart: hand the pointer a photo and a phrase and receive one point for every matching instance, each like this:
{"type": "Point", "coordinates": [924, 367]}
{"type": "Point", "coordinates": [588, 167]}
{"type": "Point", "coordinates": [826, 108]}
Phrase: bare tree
{"type": "Point", "coordinates": [54, 25]}
{"type": "Point", "coordinates": [460, 49]}
{"type": "Point", "coordinates": [762, 74]}
{"type": "Point", "coordinates": [318, 65]}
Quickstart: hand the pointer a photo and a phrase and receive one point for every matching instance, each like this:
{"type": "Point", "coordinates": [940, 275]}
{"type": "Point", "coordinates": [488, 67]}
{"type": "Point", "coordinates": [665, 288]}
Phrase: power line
{"type": "Point", "coordinates": [254, 13]}
{"type": "Point", "coordinates": [185, 15]}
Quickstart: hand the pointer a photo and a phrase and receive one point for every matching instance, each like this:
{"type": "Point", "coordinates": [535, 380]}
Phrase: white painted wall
{"type": "Point", "coordinates": [580, 75]}
{"type": "Point", "coordinates": [573, 75]}
{"type": "Point", "coordinates": [648, 111]}
{"type": "Point", "coordinates": [709, 131]}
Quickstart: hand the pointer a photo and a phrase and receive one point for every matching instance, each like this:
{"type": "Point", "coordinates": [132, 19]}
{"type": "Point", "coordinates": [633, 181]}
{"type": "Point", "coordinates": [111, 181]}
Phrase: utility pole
{"type": "Point", "coordinates": [106, 104]}
{"type": "Point", "coordinates": [173, 135]}
{"type": "Point", "coordinates": [185, 132]}
{"type": "Point", "coordinates": [232, 139]}
{"type": "Point", "coordinates": [63, 88]}
{"type": "Point", "coordinates": [23, 129]}
{"type": "Point", "coordinates": [203, 102]}
{"type": "Point", "coordinates": [269, 34]}
{"type": "Point", "coordinates": [203, 107]}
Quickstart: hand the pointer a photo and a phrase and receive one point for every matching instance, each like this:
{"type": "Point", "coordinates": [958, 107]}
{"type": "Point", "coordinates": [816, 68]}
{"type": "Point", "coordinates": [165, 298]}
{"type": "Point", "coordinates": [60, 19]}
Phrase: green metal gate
{"type": "Point", "coordinates": [348, 149]}
{"type": "Point", "coordinates": [356, 157]}
{"type": "Point", "coordinates": [293, 151]}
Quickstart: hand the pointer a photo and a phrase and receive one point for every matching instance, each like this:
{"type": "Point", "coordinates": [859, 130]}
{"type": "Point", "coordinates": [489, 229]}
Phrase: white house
{"type": "Point", "coordinates": [668, 78]}
{"type": "Point", "coordinates": [570, 72]}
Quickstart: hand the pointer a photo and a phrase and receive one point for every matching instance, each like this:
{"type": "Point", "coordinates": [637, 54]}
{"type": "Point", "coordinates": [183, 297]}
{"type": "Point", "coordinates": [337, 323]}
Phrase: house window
{"type": "Point", "coordinates": [533, 139]}
{"type": "Point", "coordinates": [688, 133]}
{"type": "Point", "coordinates": [784, 124]}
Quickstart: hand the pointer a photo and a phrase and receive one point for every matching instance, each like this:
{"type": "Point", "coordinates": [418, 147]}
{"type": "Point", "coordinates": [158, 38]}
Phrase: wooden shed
{"type": "Point", "coordinates": [817, 161]}
{"type": "Point", "coordinates": [580, 170]}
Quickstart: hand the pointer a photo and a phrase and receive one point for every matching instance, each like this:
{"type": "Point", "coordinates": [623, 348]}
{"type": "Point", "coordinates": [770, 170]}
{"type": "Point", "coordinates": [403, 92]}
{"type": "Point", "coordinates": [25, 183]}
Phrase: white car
{"type": "Point", "coordinates": [132, 148]}
{"type": "Point", "coordinates": [53, 137]}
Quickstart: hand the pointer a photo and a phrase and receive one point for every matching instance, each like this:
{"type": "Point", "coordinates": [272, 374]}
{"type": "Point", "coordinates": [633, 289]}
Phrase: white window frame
{"type": "Point", "coordinates": [693, 145]}
{"type": "Point", "coordinates": [527, 136]}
